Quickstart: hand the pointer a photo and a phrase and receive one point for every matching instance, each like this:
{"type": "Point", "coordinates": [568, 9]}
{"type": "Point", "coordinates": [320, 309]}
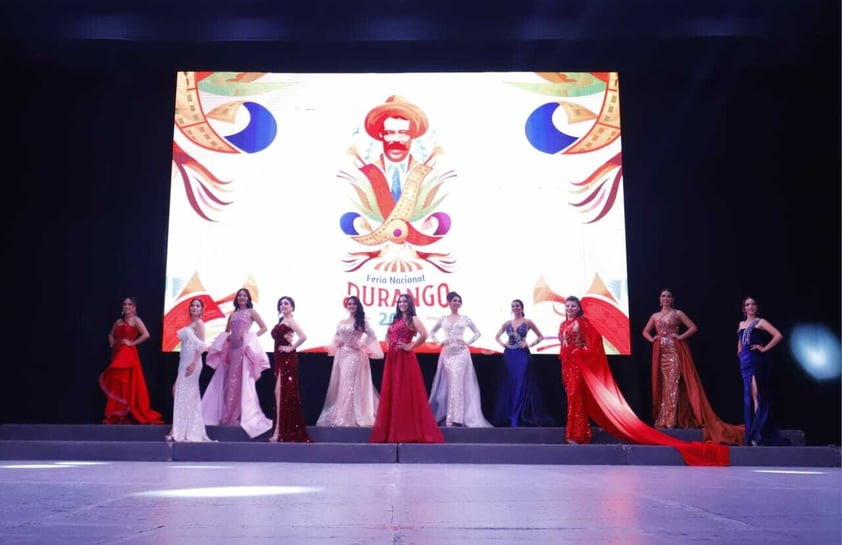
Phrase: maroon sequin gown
{"type": "Point", "coordinates": [289, 420]}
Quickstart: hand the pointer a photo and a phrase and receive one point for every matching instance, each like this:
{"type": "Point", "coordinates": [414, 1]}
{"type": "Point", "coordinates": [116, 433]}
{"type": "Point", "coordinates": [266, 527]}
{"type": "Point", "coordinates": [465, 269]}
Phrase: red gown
{"type": "Point", "coordinates": [605, 404]}
{"type": "Point", "coordinates": [127, 398]}
{"type": "Point", "coordinates": [404, 414]}
{"type": "Point", "coordinates": [573, 343]}
{"type": "Point", "coordinates": [289, 420]}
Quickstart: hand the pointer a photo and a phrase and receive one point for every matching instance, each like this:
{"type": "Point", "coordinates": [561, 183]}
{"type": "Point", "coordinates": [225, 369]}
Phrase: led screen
{"type": "Point", "coordinates": [498, 186]}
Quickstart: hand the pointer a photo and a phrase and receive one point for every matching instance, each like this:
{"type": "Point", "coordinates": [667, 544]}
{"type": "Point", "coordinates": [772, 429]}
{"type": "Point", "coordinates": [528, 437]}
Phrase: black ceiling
{"type": "Point", "coordinates": [389, 34]}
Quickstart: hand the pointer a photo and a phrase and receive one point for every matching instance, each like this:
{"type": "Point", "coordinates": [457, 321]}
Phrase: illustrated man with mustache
{"type": "Point", "coordinates": [396, 123]}
{"type": "Point", "coordinates": [399, 215]}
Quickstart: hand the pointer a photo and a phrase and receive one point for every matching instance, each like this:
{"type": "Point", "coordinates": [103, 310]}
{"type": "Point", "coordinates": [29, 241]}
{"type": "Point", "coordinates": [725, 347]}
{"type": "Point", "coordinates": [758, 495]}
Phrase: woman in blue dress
{"type": "Point", "coordinates": [756, 336]}
{"type": "Point", "coordinates": [519, 401]}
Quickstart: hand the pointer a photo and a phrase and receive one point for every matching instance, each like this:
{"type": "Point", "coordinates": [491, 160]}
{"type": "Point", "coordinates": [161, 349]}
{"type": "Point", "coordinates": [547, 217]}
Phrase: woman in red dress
{"type": "Point", "coordinates": [404, 414]}
{"type": "Point", "coordinates": [289, 420]}
{"type": "Point", "coordinates": [575, 343]}
{"type": "Point", "coordinates": [127, 399]}
{"type": "Point", "coordinates": [592, 392]}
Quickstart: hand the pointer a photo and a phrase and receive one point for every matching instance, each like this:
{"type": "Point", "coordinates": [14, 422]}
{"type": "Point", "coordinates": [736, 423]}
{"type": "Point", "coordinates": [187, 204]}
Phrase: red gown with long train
{"type": "Point", "coordinates": [127, 398]}
{"type": "Point", "coordinates": [605, 404]}
{"type": "Point", "coordinates": [404, 414]}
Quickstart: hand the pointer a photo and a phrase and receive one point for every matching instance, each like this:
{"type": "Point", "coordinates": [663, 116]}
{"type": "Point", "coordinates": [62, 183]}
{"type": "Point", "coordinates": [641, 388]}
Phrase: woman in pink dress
{"type": "Point", "coordinates": [239, 360]}
{"type": "Point", "coordinates": [288, 335]}
{"type": "Point", "coordinates": [127, 399]}
{"type": "Point", "coordinates": [404, 415]}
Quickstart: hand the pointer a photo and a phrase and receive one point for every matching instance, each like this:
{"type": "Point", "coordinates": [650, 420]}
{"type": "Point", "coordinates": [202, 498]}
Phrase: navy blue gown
{"type": "Point", "coordinates": [760, 428]}
{"type": "Point", "coordinates": [519, 401]}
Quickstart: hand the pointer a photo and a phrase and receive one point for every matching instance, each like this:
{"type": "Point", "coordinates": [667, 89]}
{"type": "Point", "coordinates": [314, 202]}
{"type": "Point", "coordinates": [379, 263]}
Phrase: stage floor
{"type": "Point", "coordinates": [256, 503]}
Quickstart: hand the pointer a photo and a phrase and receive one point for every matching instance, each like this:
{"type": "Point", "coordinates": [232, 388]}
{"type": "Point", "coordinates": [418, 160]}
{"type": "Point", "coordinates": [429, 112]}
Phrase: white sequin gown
{"type": "Point", "coordinates": [188, 423]}
{"type": "Point", "coordinates": [351, 398]}
{"type": "Point", "coordinates": [454, 397]}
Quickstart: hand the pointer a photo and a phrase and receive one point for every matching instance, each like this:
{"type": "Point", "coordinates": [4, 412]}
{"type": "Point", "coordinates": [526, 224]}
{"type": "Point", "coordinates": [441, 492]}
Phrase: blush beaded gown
{"type": "Point", "coordinates": [351, 398]}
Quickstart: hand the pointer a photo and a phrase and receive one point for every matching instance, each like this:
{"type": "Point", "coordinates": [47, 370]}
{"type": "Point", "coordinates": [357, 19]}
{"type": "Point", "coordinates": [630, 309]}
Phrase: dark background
{"type": "Point", "coordinates": [731, 148]}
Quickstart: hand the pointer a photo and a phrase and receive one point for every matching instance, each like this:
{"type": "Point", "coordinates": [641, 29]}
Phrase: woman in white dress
{"type": "Point", "coordinates": [351, 398]}
{"type": "Point", "coordinates": [455, 398]}
{"type": "Point", "coordinates": [187, 421]}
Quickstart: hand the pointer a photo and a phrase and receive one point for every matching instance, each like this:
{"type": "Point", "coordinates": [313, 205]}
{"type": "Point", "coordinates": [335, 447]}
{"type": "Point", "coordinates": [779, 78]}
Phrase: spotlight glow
{"type": "Point", "coordinates": [817, 350]}
{"type": "Point", "coordinates": [230, 492]}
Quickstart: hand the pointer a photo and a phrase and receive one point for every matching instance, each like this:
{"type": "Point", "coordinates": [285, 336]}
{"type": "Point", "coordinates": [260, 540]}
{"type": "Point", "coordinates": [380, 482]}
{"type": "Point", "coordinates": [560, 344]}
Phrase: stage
{"type": "Point", "coordinates": [84, 484]}
{"type": "Point", "coordinates": [533, 446]}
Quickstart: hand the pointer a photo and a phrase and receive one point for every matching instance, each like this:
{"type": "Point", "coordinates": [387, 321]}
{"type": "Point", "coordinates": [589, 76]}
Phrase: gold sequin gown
{"type": "Point", "coordinates": [678, 398]}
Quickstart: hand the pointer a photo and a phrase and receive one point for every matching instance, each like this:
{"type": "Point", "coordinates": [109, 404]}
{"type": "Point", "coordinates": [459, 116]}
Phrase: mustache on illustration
{"type": "Point", "coordinates": [395, 146]}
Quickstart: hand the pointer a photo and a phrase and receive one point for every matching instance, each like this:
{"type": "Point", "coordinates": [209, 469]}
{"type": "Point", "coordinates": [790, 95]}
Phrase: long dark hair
{"type": "Point", "coordinates": [359, 314]}
{"type": "Point", "coordinates": [522, 308]}
{"type": "Point", "coordinates": [248, 294]}
{"type": "Point", "coordinates": [410, 310]}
